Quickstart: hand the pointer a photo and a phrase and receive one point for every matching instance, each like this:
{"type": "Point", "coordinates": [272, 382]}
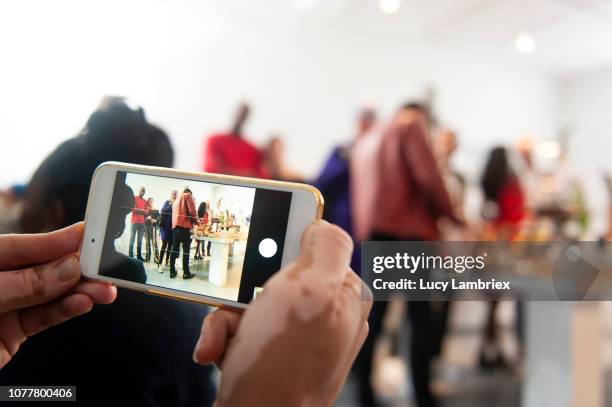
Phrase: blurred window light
{"type": "Point", "coordinates": [390, 6]}
{"type": "Point", "coordinates": [548, 149]}
{"type": "Point", "coordinates": [525, 44]}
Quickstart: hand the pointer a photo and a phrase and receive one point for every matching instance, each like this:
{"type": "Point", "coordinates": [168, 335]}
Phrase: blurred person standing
{"type": "Point", "coordinates": [504, 209]}
{"type": "Point", "coordinates": [137, 223]}
{"type": "Point", "coordinates": [117, 352]}
{"type": "Point", "coordinates": [334, 180]}
{"type": "Point", "coordinates": [230, 153]}
{"type": "Point", "coordinates": [445, 144]}
{"type": "Point", "coordinates": [151, 224]}
{"type": "Point", "coordinates": [405, 201]}
{"type": "Point", "coordinates": [203, 218]}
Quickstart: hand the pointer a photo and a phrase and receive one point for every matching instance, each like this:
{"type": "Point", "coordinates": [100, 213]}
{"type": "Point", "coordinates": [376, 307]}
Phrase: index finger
{"type": "Point", "coordinates": [17, 251]}
{"type": "Point", "coordinates": [217, 330]}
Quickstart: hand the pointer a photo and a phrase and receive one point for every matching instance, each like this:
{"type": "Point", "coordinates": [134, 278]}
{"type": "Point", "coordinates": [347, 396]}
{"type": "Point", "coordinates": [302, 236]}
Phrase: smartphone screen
{"type": "Point", "coordinates": [154, 221]}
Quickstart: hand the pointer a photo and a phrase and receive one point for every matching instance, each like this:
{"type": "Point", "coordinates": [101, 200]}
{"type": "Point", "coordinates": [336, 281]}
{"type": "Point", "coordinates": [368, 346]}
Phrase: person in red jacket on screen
{"type": "Point", "coordinates": [139, 212]}
{"type": "Point", "coordinates": [230, 153]}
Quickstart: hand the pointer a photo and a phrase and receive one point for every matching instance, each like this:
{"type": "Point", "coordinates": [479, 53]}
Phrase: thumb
{"type": "Point", "coordinates": [38, 284]}
{"type": "Point", "coordinates": [326, 252]}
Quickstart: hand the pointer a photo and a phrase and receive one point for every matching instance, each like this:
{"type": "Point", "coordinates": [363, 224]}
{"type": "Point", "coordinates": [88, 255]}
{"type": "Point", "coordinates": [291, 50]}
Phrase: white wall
{"type": "Point", "coordinates": [188, 63]}
{"type": "Point", "coordinates": [585, 111]}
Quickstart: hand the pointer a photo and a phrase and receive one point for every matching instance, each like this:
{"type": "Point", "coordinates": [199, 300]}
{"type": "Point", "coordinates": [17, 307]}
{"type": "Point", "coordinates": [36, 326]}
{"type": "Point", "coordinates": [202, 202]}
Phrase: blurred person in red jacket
{"type": "Point", "coordinates": [398, 194]}
{"type": "Point", "coordinates": [137, 223]}
{"type": "Point", "coordinates": [184, 217]}
{"type": "Point", "coordinates": [229, 152]}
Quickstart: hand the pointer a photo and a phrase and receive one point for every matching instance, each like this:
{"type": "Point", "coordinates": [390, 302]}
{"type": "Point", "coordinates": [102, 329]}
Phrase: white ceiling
{"type": "Point", "coordinates": [572, 36]}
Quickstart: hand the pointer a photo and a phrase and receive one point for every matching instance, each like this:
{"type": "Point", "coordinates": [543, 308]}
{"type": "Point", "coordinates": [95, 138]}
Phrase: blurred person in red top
{"type": "Point", "coordinates": [403, 198]}
{"type": "Point", "coordinates": [137, 221]}
{"type": "Point", "coordinates": [504, 198]}
{"type": "Point", "coordinates": [184, 216]}
{"type": "Point", "coordinates": [230, 153]}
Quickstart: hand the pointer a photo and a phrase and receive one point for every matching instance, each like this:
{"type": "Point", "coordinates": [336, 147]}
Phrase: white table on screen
{"type": "Point", "coordinates": [220, 250]}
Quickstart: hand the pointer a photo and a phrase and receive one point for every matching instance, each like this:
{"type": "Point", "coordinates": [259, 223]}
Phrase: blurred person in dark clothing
{"type": "Point", "coordinates": [403, 198]}
{"type": "Point", "coordinates": [334, 180]}
{"type": "Point", "coordinates": [112, 263]}
{"type": "Point", "coordinates": [230, 153]}
{"type": "Point", "coordinates": [165, 230]}
{"type": "Point", "coordinates": [118, 352]}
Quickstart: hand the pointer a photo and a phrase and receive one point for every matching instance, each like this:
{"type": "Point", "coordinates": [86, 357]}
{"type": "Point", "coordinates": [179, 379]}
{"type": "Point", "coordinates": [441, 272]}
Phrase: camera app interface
{"type": "Point", "coordinates": [213, 239]}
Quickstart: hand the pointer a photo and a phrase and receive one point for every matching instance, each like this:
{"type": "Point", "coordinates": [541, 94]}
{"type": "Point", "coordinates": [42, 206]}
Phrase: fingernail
{"type": "Point", "coordinates": [195, 351]}
{"type": "Point", "coordinates": [67, 269]}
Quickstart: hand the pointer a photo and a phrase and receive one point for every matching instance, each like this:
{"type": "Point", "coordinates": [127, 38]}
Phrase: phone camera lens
{"type": "Point", "coordinates": [93, 240]}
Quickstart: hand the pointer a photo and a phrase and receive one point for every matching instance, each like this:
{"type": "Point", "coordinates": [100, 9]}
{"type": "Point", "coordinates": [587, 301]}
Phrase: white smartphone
{"type": "Point", "coordinates": [201, 237]}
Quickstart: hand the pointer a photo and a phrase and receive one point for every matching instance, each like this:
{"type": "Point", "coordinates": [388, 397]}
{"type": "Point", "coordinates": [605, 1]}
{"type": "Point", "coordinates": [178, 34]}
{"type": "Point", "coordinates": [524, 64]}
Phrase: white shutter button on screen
{"type": "Point", "coordinates": [267, 248]}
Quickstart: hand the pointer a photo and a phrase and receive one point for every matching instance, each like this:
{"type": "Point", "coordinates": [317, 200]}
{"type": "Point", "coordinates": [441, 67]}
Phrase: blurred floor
{"type": "Point", "coordinates": [458, 381]}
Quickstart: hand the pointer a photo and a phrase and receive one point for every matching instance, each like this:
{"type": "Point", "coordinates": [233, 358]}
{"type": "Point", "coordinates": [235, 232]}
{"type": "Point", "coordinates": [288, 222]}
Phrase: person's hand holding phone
{"type": "Point", "coordinates": [295, 344]}
{"type": "Point", "coordinates": [40, 285]}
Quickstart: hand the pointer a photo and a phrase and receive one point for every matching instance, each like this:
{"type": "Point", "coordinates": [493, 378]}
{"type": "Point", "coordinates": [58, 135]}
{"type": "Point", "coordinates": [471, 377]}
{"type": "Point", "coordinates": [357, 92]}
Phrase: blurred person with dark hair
{"type": "Point", "coordinates": [403, 198]}
{"type": "Point", "coordinates": [165, 230]}
{"type": "Point", "coordinates": [113, 263]}
{"type": "Point", "coordinates": [119, 351]}
{"type": "Point", "coordinates": [137, 223]}
{"type": "Point", "coordinates": [504, 199]}
{"type": "Point", "coordinates": [200, 251]}
{"type": "Point", "coordinates": [504, 208]}
{"type": "Point", "coordinates": [230, 153]}
{"type": "Point", "coordinates": [334, 180]}
{"type": "Point", "coordinates": [184, 217]}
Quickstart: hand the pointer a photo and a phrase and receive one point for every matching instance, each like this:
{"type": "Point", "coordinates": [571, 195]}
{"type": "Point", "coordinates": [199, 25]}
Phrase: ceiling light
{"type": "Point", "coordinates": [525, 44]}
{"type": "Point", "coordinates": [390, 6]}
{"type": "Point", "coordinates": [549, 149]}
